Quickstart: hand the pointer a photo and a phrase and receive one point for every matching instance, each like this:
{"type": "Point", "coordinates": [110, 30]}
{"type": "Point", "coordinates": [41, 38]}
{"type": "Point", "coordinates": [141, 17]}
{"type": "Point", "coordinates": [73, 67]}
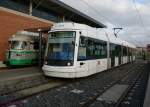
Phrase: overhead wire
{"type": "Point", "coordinates": [96, 11]}
{"type": "Point", "coordinates": [139, 15]}
{"type": "Point", "coordinates": [105, 17]}
{"type": "Point", "coordinates": [140, 18]}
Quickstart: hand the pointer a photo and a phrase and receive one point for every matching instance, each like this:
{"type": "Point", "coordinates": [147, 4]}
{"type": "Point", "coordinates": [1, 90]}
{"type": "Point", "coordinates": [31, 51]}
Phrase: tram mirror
{"type": "Point", "coordinates": [82, 40]}
{"type": "Point", "coordinates": [80, 32]}
{"type": "Point", "coordinates": [73, 43]}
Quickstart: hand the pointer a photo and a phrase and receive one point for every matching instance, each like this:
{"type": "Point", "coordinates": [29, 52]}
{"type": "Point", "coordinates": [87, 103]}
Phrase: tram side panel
{"type": "Point", "coordinates": [90, 57]}
{"type": "Point", "coordinates": [21, 57]}
{"type": "Point", "coordinates": [81, 64]}
{"type": "Point", "coordinates": [117, 55]}
{"type": "Point", "coordinates": [92, 53]}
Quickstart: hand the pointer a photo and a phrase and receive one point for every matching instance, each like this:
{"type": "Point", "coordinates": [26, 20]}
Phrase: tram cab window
{"type": "Point", "coordinates": [60, 49]}
{"type": "Point", "coordinates": [21, 45]}
{"type": "Point", "coordinates": [82, 48]}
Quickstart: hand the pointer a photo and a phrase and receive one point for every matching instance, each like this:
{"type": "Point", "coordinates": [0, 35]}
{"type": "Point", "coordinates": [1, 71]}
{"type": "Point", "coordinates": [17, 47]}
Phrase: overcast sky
{"type": "Point", "coordinates": [120, 13]}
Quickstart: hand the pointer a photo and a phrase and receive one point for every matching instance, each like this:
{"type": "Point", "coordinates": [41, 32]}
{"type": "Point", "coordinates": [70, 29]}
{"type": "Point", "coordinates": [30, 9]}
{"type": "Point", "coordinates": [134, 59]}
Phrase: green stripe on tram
{"type": "Point", "coordinates": [22, 57]}
{"type": "Point", "coordinates": [21, 62]}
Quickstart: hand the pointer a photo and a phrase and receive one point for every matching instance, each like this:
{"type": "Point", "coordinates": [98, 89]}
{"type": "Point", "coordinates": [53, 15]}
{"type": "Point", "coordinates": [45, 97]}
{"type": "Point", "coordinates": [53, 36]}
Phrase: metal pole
{"type": "Point", "coordinates": [40, 49]}
{"type": "Point", "coordinates": [108, 52]}
{"type": "Point", "coordinates": [63, 18]}
{"type": "Point", "coordinates": [30, 8]}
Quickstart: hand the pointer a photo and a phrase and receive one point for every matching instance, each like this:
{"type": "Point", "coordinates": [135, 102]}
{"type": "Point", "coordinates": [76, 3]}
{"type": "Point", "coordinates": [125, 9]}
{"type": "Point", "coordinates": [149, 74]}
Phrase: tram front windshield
{"type": "Point", "coordinates": [60, 50]}
{"type": "Point", "coordinates": [20, 45]}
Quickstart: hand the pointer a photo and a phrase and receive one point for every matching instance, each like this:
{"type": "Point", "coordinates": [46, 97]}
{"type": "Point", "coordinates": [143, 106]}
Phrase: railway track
{"type": "Point", "coordinates": [28, 87]}
{"type": "Point", "coordinates": [83, 92]}
{"type": "Point", "coordinates": [22, 84]}
{"type": "Point", "coordinates": [3, 69]}
{"type": "Point", "coordinates": [131, 80]}
{"type": "Point", "coordinates": [134, 97]}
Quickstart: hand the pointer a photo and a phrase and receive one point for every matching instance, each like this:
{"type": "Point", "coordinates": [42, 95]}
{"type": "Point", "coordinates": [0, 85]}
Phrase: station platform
{"type": "Point", "coordinates": [18, 73]}
{"type": "Point", "coordinates": [2, 65]}
{"type": "Point", "coordinates": [147, 95]}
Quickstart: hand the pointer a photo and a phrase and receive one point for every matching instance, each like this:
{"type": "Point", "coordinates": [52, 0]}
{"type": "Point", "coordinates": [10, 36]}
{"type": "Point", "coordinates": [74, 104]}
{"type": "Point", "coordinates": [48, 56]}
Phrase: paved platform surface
{"type": "Point", "coordinates": [2, 65]}
{"type": "Point", "coordinates": [18, 73]}
{"type": "Point", "coordinates": [113, 94]}
{"type": "Point", "coordinates": [147, 95]}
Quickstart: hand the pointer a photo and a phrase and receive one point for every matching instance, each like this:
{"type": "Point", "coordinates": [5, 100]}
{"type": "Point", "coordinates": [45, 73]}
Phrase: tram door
{"type": "Point", "coordinates": [112, 54]}
{"type": "Point", "coordinates": [120, 54]}
{"type": "Point", "coordinates": [82, 64]}
{"type": "Point", "coordinates": [119, 59]}
{"type": "Point", "coordinates": [112, 61]}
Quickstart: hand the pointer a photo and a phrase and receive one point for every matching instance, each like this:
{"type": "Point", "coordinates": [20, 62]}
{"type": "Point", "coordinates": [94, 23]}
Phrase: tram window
{"type": "Point", "coordinates": [104, 50]}
{"type": "Point", "coordinates": [130, 51]}
{"type": "Point", "coordinates": [117, 50]}
{"type": "Point", "coordinates": [96, 49]}
{"type": "Point", "coordinates": [90, 48]}
{"type": "Point", "coordinates": [18, 45]}
{"type": "Point", "coordinates": [82, 48]}
{"type": "Point", "coordinates": [82, 41]}
{"type": "Point", "coordinates": [31, 46]}
{"type": "Point", "coordinates": [124, 51]}
{"type": "Point", "coordinates": [24, 45]}
{"type": "Point", "coordinates": [112, 50]}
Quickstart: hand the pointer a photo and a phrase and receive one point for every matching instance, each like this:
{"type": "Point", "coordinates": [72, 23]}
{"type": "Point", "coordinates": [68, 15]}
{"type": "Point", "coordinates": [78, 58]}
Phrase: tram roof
{"type": "Point", "coordinates": [62, 9]}
{"type": "Point", "coordinates": [24, 36]}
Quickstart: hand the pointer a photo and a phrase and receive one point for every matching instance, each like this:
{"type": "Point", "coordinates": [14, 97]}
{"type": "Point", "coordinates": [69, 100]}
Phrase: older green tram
{"type": "Point", "coordinates": [23, 49]}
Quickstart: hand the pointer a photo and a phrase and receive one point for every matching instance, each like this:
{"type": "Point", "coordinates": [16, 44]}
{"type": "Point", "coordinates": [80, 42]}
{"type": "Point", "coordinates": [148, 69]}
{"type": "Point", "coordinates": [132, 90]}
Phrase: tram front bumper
{"type": "Point", "coordinates": [63, 72]}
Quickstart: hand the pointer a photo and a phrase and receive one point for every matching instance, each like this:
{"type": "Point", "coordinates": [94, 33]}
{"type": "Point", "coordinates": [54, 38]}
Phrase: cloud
{"type": "Point", "coordinates": [119, 13]}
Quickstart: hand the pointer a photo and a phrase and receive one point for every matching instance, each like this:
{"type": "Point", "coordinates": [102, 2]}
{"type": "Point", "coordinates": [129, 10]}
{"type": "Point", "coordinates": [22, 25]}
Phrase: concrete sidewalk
{"type": "Point", "coordinates": [2, 65]}
{"type": "Point", "coordinates": [147, 95]}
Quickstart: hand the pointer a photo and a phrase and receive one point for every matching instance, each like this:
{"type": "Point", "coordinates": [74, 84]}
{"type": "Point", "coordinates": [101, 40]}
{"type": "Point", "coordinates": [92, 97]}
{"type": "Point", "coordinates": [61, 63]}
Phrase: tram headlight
{"type": "Point", "coordinates": [68, 64]}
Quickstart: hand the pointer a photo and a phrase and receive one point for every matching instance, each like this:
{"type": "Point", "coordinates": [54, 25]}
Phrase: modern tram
{"type": "Point", "coordinates": [23, 49]}
{"type": "Point", "coordinates": [77, 50]}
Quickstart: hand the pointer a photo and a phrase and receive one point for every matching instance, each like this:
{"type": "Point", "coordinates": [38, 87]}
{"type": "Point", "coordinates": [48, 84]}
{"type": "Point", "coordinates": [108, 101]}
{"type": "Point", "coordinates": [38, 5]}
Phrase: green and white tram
{"type": "Point", "coordinates": [23, 49]}
{"type": "Point", "coordinates": [77, 50]}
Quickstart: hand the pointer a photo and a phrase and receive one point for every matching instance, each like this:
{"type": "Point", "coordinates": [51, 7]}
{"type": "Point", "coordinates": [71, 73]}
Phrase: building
{"type": "Point", "coordinates": [33, 14]}
{"type": "Point", "coordinates": [148, 48]}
